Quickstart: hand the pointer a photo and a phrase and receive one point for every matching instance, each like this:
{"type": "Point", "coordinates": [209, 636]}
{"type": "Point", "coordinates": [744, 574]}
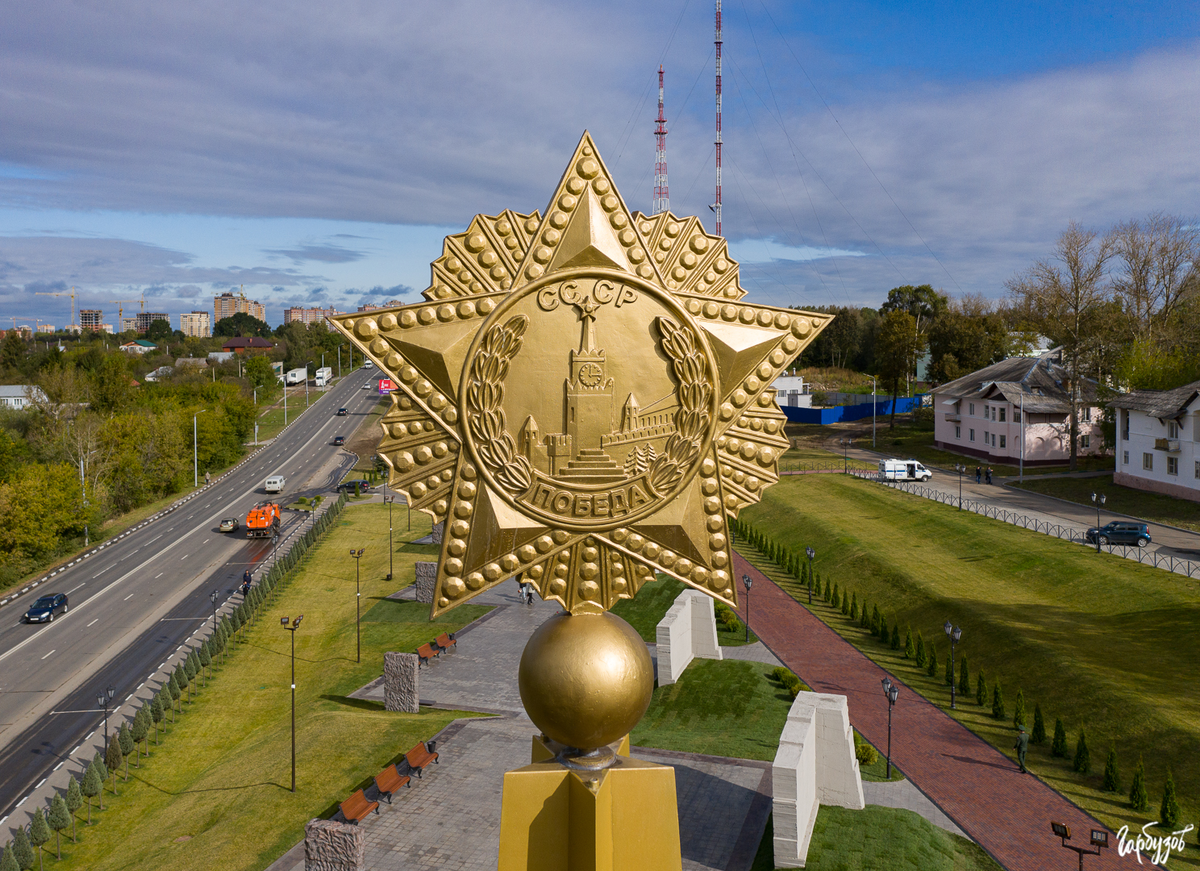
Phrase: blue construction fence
{"type": "Point", "coordinates": [839, 413]}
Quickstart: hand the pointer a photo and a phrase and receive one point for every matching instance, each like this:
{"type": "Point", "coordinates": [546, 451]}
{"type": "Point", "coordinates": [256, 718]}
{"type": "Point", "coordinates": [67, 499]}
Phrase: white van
{"type": "Point", "coordinates": [368, 365]}
{"type": "Point", "coordinates": [275, 484]}
{"type": "Point", "coordinates": [903, 470]}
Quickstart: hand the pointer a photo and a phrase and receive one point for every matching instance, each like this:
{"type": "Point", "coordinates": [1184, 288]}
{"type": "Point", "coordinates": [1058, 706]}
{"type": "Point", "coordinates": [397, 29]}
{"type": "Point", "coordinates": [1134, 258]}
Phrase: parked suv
{"type": "Point", "coordinates": [1120, 532]}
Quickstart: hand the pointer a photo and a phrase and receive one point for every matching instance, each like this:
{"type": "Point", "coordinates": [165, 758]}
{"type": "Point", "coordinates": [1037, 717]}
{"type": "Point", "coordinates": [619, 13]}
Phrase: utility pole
{"type": "Point", "coordinates": [662, 201]}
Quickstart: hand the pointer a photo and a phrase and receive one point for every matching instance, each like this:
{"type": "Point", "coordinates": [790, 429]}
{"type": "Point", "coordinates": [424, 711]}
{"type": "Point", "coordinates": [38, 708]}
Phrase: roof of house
{"type": "Point", "coordinates": [1036, 384]}
{"type": "Point", "coordinates": [1163, 404]}
{"type": "Point", "coordinates": [246, 342]}
{"type": "Point", "coordinates": [141, 343]}
{"type": "Point", "coordinates": [16, 390]}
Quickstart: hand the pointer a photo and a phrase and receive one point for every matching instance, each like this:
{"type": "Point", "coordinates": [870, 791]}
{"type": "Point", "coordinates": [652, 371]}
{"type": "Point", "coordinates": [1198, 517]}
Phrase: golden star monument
{"type": "Point", "coordinates": [584, 400]}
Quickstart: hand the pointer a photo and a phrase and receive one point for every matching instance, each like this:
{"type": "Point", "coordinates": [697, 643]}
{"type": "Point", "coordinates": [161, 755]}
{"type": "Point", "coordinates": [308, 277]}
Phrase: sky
{"type": "Point", "coordinates": [318, 153]}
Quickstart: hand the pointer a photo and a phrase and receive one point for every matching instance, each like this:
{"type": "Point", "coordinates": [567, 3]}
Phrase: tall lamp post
{"type": "Point", "coordinates": [391, 551]}
{"type": "Point", "coordinates": [845, 443]}
{"type": "Point", "coordinates": [872, 377]}
{"type": "Point", "coordinates": [1098, 499]}
{"type": "Point", "coordinates": [811, 553]}
{"type": "Point", "coordinates": [892, 692]}
{"type": "Point", "coordinates": [295, 624]}
{"type": "Point", "coordinates": [357, 554]}
{"type": "Point", "coordinates": [960, 468]}
{"type": "Point", "coordinates": [102, 699]}
{"type": "Point", "coordinates": [212, 597]}
{"type": "Point", "coordinates": [953, 633]}
{"type": "Point", "coordinates": [307, 363]}
{"type": "Point", "coordinates": [196, 450]}
{"type": "Point", "coordinates": [746, 582]}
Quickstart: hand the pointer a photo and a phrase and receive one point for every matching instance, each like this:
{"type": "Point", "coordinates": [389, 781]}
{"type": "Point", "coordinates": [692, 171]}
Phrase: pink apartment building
{"type": "Point", "coordinates": [1158, 441]}
{"type": "Point", "coordinates": [1014, 410]}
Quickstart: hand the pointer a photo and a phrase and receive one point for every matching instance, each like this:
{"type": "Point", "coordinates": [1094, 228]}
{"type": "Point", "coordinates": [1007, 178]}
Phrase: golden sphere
{"type": "Point", "coordinates": [586, 679]}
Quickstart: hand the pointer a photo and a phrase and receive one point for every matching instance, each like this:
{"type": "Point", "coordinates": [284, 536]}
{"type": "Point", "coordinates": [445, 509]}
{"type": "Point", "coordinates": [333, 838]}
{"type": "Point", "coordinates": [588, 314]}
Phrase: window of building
{"type": "Point", "coordinates": [1198, 470]}
{"type": "Point", "coordinates": [958, 432]}
{"type": "Point", "coordinates": [987, 438]}
{"type": "Point", "coordinates": [993, 440]}
{"type": "Point", "coordinates": [1124, 425]}
{"type": "Point", "coordinates": [971, 435]}
{"type": "Point", "coordinates": [1172, 429]}
{"type": "Point", "coordinates": [1002, 415]}
{"type": "Point", "coordinates": [1002, 441]}
{"type": "Point", "coordinates": [1125, 458]}
{"type": "Point", "coordinates": [1172, 465]}
{"type": "Point", "coordinates": [1016, 415]}
{"type": "Point", "coordinates": [1147, 462]}
{"type": "Point", "coordinates": [971, 408]}
{"type": "Point", "coordinates": [1085, 441]}
{"type": "Point", "coordinates": [1086, 415]}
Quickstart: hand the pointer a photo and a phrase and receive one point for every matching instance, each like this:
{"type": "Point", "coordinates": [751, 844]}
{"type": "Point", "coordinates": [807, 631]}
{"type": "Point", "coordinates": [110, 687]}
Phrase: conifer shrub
{"type": "Point", "coordinates": [1019, 709]}
{"type": "Point", "coordinates": [74, 802]}
{"type": "Point", "coordinates": [845, 604]}
{"type": "Point", "coordinates": [126, 745]}
{"type": "Point", "coordinates": [828, 590]}
{"type": "Point", "coordinates": [112, 758]}
{"type": "Point", "coordinates": [864, 614]}
{"type": "Point", "coordinates": [876, 621]}
{"type": "Point", "coordinates": [158, 712]}
{"type": "Point", "coordinates": [1112, 774]}
{"type": "Point", "coordinates": [175, 692]}
{"type": "Point", "coordinates": [140, 730]}
{"type": "Point", "coordinates": [837, 596]}
{"type": "Point", "coordinates": [22, 850]}
{"type": "Point", "coordinates": [1139, 799]}
{"type": "Point", "coordinates": [1169, 811]}
{"type": "Point", "coordinates": [998, 711]}
{"type": "Point", "coordinates": [181, 680]}
{"type": "Point", "coordinates": [58, 819]}
{"type": "Point", "coordinates": [980, 690]}
{"type": "Point", "coordinates": [853, 606]}
{"type": "Point", "coordinates": [1058, 745]}
{"type": "Point", "coordinates": [931, 663]}
{"type": "Point", "coordinates": [8, 862]}
{"type": "Point", "coordinates": [895, 642]}
{"type": "Point", "coordinates": [910, 649]}
{"type": "Point", "coordinates": [922, 655]}
{"type": "Point", "coordinates": [964, 677]}
{"type": "Point", "coordinates": [1038, 735]}
{"type": "Point", "coordinates": [949, 677]}
{"type": "Point", "coordinates": [864, 752]}
{"type": "Point", "coordinates": [92, 787]}
{"type": "Point", "coordinates": [39, 833]}
{"type": "Point", "coordinates": [1083, 757]}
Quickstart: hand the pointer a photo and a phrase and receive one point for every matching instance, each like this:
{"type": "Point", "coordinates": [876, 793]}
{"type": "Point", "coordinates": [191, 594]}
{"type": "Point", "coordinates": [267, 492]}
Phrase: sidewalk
{"type": "Point", "coordinates": [1006, 812]}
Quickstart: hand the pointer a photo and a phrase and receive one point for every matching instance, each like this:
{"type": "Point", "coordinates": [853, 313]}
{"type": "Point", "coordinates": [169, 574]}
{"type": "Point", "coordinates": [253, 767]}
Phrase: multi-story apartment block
{"type": "Point", "coordinates": [144, 319]}
{"type": "Point", "coordinates": [128, 324]}
{"type": "Point", "coordinates": [309, 315]}
{"type": "Point", "coordinates": [227, 305]}
{"type": "Point", "coordinates": [370, 307]}
{"type": "Point", "coordinates": [1158, 441]}
{"type": "Point", "coordinates": [90, 319]}
{"type": "Point", "coordinates": [195, 324]}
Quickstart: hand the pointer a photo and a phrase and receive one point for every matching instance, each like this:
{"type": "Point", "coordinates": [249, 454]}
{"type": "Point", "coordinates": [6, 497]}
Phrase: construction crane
{"type": "Point", "coordinates": [62, 293]}
{"type": "Point", "coordinates": [119, 303]}
{"type": "Point", "coordinates": [15, 318]}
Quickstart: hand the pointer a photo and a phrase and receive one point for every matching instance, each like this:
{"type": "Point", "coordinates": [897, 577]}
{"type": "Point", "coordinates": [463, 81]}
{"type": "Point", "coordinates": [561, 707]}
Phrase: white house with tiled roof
{"type": "Point", "coordinates": [1158, 441]}
{"type": "Point", "coordinates": [1014, 411]}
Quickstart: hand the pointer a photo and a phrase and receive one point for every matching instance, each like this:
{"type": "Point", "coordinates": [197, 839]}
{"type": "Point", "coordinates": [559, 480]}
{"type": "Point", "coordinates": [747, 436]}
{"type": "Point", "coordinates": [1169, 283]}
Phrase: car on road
{"type": "Point", "coordinates": [364, 486]}
{"type": "Point", "coordinates": [229, 524]}
{"type": "Point", "coordinates": [339, 440]}
{"type": "Point", "coordinates": [44, 609]}
{"type": "Point", "coordinates": [341, 412]}
{"type": "Point", "coordinates": [1120, 532]}
{"type": "Point", "coordinates": [367, 386]}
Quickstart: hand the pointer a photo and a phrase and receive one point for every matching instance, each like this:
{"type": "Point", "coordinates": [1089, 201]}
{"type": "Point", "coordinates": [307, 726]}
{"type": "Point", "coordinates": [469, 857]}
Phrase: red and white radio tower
{"type": "Point", "coordinates": [717, 205]}
{"type": "Point", "coordinates": [662, 201]}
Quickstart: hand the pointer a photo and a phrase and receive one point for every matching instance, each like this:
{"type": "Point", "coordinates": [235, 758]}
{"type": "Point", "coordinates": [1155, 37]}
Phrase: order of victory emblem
{"type": "Point", "coordinates": [583, 398]}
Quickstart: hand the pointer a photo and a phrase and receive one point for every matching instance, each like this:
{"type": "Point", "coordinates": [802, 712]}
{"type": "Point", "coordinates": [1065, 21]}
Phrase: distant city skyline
{"type": "Point", "coordinates": [866, 145]}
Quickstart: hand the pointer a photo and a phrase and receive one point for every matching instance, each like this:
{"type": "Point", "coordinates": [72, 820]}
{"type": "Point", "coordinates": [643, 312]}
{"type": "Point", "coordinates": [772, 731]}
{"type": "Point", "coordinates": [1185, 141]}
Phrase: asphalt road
{"type": "Point", "coordinates": [137, 600]}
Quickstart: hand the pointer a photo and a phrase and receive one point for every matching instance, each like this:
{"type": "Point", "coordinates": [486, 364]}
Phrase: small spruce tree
{"type": "Point", "coordinates": [1139, 799]}
{"type": "Point", "coordinates": [1083, 757]}
{"type": "Point", "coordinates": [980, 690]}
{"type": "Point", "coordinates": [1112, 775]}
{"type": "Point", "coordinates": [949, 669]}
{"type": "Point", "coordinates": [140, 731]}
{"type": "Point", "coordinates": [877, 623]}
{"type": "Point", "coordinates": [58, 819]}
{"type": "Point", "coordinates": [998, 711]}
{"type": "Point", "coordinates": [854, 606]}
{"type": "Point", "coordinates": [964, 677]}
{"type": "Point", "coordinates": [1058, 745]}
{"type": "Point", "coordinates": [191, 668]}
{"type": "Point", "coordinates": [205, 659]}
{"type": "Point", "coordinates": [181, 678]}
{"type": "Point", "coordinates": [127, 746]}
{"type": "Point", "coordinates": [921, 657]}
{"type": "Point", "coordinates": [39, 833]}
{"type": "Point", "coordinates": [112, 758]}
{"type": "Point", "coordinates": [837, 596]}
{"type": "Point", "coordinates": [176, 692]}
{"type": "Point", "coordinates": [895, 644]}
{"type": "Point", "coordinates": [864, 616]}
{"type": "Point", "coordinates": [1038, 735]}
{"type": "Point", "coordinates": [1169, 811]}
{"type": "Point", "coordinates": [158, 713]}
{"type": "Point", "coordinates": [845, 604]}
{"type": "Point", "coordinates": [22, 850]}
{"type": "Point", "coordinates": [92, 787]}
{"type": "Point", "coordinates": [828, 590]}
{"type": "Point", "coordinates": [910, 649]}
{"type": "Point", "coordinates": [1019, 710]}
{"type": "Point", "coordinates": [74, 802]}
{"type": "Point", "coordinates": [8, 862]}
{"type": "Point", "coordinates": [932, 664]}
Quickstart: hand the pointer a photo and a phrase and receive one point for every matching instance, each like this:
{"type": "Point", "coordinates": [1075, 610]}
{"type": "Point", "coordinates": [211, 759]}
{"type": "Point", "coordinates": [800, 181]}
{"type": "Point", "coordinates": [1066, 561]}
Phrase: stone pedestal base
{"type": "Point", "coordinates": [438, 530]}
{"type": "Point", "coordinates": [400, 682]}
{"type": "Point", "coordinates": [426, 579]}
{"type": "Point", "coordinates": [333, 846]}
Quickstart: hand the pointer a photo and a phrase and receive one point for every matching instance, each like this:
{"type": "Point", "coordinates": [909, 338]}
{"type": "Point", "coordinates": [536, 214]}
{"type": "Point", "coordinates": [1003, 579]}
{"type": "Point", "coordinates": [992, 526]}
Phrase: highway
{"type": "Point", "coordinates": [134, 602]}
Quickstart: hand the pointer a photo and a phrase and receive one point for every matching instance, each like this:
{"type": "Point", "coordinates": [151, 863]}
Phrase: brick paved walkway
{"type": "Point", "coordinates": [980, 789]}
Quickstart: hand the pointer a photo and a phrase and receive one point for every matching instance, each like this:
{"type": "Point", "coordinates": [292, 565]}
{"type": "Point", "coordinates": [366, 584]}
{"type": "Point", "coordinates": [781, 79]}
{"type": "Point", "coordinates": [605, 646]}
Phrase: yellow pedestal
{"type": "Point", "coordinates": [622, 818]}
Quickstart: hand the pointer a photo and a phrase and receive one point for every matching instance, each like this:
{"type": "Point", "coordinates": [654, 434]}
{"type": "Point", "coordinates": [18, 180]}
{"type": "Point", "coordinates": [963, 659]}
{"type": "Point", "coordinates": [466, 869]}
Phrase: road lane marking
{"type": "Point", "coordinates": [69, 592]}
{"type": "Point", "coordinates": [159, 575]}
{"type": "Point", "coordinates": [51, 653]}
{"type": "Point", "coordinates": [40, 782]}
{"type": "Point", "coordinates": [97, 620]}
{"type": "Point", "coordinates": [127, 598]}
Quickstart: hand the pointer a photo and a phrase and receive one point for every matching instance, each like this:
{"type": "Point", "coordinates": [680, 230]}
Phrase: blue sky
{"type": "Point", "coordinates": [318, 153]}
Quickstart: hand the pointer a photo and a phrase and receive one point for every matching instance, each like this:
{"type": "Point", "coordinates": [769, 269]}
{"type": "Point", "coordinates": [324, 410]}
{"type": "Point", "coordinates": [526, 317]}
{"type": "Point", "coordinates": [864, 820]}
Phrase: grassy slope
{"type": "Point", "coordinates": [1103, 643]}
{"type": "Point", "coordinates": [646, 610]}
{"type": "Point", "coordinates": [1121, 500]}
{"type": "Point", "coordinates": [215, 794]}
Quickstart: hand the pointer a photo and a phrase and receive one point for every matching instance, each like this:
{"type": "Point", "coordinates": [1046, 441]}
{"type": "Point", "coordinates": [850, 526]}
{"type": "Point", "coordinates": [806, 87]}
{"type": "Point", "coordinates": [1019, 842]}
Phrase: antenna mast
{"type": "Point", "coordinates": [717, 42]}
{"type": "Point", "coordinates": [662, 201]}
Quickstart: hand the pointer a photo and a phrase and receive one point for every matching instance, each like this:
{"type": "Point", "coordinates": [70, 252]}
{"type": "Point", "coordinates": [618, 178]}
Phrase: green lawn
{"type": "Point", "coordinates": [878, 838]}
{"type": "Point", "coordinates": [215, 794]}
{"type": "Point", "coordinates": [646, 610]}
{"type": "Point", "coordinates": [1105, 644]}
{"type": "Point", "coordinates": [1151, 507]}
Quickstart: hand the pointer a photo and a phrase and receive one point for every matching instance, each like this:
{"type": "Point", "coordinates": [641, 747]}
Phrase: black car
{"type": "Point", "coordinates": [341, 412]}
{"type": "Point", "coordinates": [363, 485]}
{"type": "Point", "coordinates": [1120, 532]}
{"type": "Point", "coordinates": [44, 609]}
{"type": "Point", "coordinates": [339, 440]}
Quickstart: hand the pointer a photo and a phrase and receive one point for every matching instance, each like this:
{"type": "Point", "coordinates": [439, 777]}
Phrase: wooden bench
{"type": "Point", "coordinates": [357, 807]}
{"type": "Point", "coordinates": [419, 757]}
{"type": "Point", "coordinates": [445, 641]}
{"type": "Point", "coordinates": [389, 780]}
{"type": "Point", "coordinates": [425, 653]}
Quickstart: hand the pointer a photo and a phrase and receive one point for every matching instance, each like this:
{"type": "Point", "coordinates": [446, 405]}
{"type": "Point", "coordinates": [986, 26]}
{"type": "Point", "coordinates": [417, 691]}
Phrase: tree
{"type": "Point", "coordinates": [964, 677]}
{"type": "Point", "coordinates": [896, 351]}
{"type": "Point", "coordinates": [1169, 812]}
{"type": "Point", "coordinates": [932, 661]}
{"type": "Point", "coordinates": [112, 758]}
{"type": "Point", "coordinates": [1063, 297]}
{"type": "Point", "coordinates": [998, 702]}
{"type": "Point", "coordinates": [92, 787]}
{"type": "Point", "coordinates": [126, 744]}
{"type": "Point", "coordinates": [39, 831]}
{"type": "Point", "coordinates": [895, 645]}
{"type": "Point", "coordinates": [854, 606]}
{"type": "Point", "coordinates": [1058, 746]}
{"type": "Point", "coordinates": [240, 324]}
{"type": "Point", "coordinates": [1112, 775]}
{"type": "Point", "coordinates": [910, 650]}
{"type": "Point", "coordinates": [158, 330]}
{"type": "Point", "coordinates": [1019, 710]}
{"type": "Point", "coordinates": [949, 669]}
{"type": "Point", "coordinates": [176, 693]}
{"type": "Point", "coordinates": [922, 303]}
{"type": "Point", "coordinates": [140, 731]}
{"type": "Point", "coordinates": [191, 668]}
{"type": "Point", "coordinates": [967, 336]}
{"type": "Point", "coordinates": [22, 850]}
{"type": "Point", "coordinates": [158, 712]}
{"type": "Point", "coordinates": [12, 351]}
{"type": "Point", "coordinates": [58, 819]}
{"type": "Point", "coordinates": [8, 862]}
{"type": "Point", "coordinates": [980, 690]}
{"type": "Point", "coordinates": [1139, 800]}
{"type": "Point", "coordinates": [1038, 735]}
{"type": "Point", "coordinates": [1083, 757]}
{"type": "Point", "coordinates": [921, 656]}
{"type": "Point", "coordinates": [1158, 272]}
{"type": "Point", "coordinates": [74, 802]}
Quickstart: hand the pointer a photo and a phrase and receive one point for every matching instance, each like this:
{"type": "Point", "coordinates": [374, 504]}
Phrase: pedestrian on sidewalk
{"type": "Point", "coordinates": [989, 474]}
{"type": "Point", "coordinates": [977, 473]}
{"type": "Point", "coordinates": [1022, 747]}
{"type": "Point", "coordinates": [207, 478]}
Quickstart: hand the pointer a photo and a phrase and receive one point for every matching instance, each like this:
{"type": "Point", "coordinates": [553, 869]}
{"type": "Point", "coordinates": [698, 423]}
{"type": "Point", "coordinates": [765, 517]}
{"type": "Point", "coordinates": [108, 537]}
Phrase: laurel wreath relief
{"type": "Point", "coordinates": [691, 421]}
{"type": "Point", "coordinates": [485, 416]}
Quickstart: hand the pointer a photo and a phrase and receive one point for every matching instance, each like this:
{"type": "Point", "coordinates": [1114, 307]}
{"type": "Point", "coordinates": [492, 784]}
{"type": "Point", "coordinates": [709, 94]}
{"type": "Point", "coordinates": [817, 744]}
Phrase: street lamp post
{"type": "Point", "coordinates": [212, 597]}
{"type": "Point", "coordinates": [295, 624]}
{"type": "Point", "coordinates": [811, 553]}
{"type": "Point", "coordinates": [845, 443]}
{"type": "Point", "coordinates": [196, 450]}
{"type": "Point", "coordinates": [953, 633]}
{"type": "Point", "coordinates": [747, 582]}
{"type": "Point", "coordinates": [960, 468]}
{"type": "Point", "coordinates": [891, 691]}
{"type": "Point", "coordinates": [357, 554]}
{"type": "Point", "coordinates": [307, 363]}
{"type": "Point", "coordinates": [102, 699]}
{"type": "Point", "coordinates": [1098, 499]}
{"type": "Point", "coordinates": [389, 500]}
{"type": "Point", "coordinates": [872, 377]}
